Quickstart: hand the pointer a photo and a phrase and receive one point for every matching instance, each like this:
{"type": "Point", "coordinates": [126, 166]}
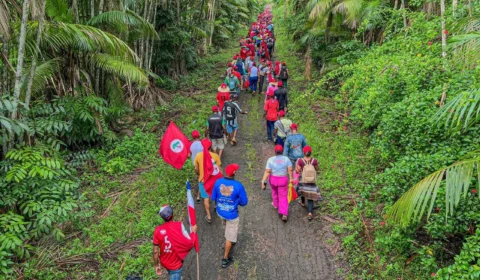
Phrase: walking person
{"type": "Point", "coordinates": [195, 148]}
{"type": "Point", "coordinates": [216, 131]}
{"type": "Point", "coordinates": [281, 128]}
{"type": "Point", "coordinates": [230, 114]}
{"type": "Point", "coordinates": [223, 95]}
{"type": "Point", "coordinates": [283, 75]}
{"type": "Point", "coordinates": [228, 194]}
{"type": "Point", "coordinates": [279, 173]}
{"type": "Point", "coordinates": [294, 144]}
{"type": "Point", "coordinates": [307, 167]}
{"type": "Point", "coordinates": [171, 244]}
{"type": "Point", "coordinates": [264, 71]}
{"type": "Point", "coordinates": [282, 96]}
{"type": "Point", "coordinates": [233, 83]}
{"type": "Point", "coordinates": [253, 78]}
{"type": "Point", "coordinates": [199, 169]}
{"type": "Point", "coordinates": [271, 114]}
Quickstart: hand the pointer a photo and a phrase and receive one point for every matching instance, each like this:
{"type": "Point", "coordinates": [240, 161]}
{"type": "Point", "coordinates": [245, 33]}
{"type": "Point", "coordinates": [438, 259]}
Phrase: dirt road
{"type": "Point", "coordinates": [267, 248]}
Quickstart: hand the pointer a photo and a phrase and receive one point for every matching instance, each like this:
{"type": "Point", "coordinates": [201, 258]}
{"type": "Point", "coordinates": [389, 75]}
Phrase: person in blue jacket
{"type": "Point", "coordinates": [228, 194]}
{"type": "Point", "coordinates": [294, 143]}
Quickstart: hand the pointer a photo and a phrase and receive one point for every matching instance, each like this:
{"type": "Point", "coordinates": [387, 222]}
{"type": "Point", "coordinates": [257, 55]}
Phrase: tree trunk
{"type": "Point", "coordinates": [142, 41]}
{"type": "Point", "coordinates": [444, 49]}
{"type": "Point", "coordinates": [40, 19]}
{"type": "Point", "coordinates": [395, 5]}
{"type": "Point", "coordinates": [153, 40]}
{"type": "Point", "coordinates": [284, 9]}
{"type": "Point", "coordinates": [454, 7]}
{"type": "Point", "coordinates": [92, 8]}
{"type": "Point", "coordinates": [97, 71]}
{"type": "Point", "coordinates": [211, 18]}
{"type": "Point", "coordinates": [100, 7]}
{"type": "Point", "coordinates": [470, 8]}
{"type": "Point", "coordinates": [308, 63]}
{"type": "Point", "coordinates": [75, 11]}
{"type": "Point", "coordinates": [21, 54]}
{"type": "Point", "coordinates": [402, 7]}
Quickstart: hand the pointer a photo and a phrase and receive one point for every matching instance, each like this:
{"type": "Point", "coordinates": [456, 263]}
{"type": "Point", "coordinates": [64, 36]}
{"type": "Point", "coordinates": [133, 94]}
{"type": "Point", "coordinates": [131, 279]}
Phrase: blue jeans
{"type": "Point", "coordinates": [270, 128]}
{"type": "Point", "coordinates": [175, 274]}
{"type": "Point", "coordinates": [280, 141]}
{"type": "Point", "coordinates": [253, 83]}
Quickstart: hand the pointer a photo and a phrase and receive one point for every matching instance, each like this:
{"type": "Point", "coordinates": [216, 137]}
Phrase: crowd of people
{"type": "Point", "coordinates": [253, 69]}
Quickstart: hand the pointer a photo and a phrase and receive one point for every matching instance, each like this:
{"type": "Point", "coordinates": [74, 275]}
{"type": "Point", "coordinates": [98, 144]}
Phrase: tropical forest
{"type": "Point", "coordinates": [384, 93]}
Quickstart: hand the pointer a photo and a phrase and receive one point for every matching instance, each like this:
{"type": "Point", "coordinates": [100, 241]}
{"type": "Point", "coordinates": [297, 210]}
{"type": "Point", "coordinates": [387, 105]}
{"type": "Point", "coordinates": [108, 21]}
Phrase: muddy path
{"type": "Point", "coordinates": [267, 248]}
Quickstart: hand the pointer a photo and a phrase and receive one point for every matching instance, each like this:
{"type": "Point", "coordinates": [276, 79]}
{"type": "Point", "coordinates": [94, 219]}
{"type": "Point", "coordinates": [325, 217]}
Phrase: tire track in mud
{"type": "Point", "coordinates": [267, 248]}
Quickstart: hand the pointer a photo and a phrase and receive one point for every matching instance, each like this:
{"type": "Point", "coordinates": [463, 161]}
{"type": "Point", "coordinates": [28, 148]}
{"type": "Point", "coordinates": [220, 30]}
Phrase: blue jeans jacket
{"type": "Point", "coordinates": [293, 147]}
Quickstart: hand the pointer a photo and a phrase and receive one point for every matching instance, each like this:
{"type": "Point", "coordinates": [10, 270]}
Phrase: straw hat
{"type": "Point", "coordinates": [223, 88]}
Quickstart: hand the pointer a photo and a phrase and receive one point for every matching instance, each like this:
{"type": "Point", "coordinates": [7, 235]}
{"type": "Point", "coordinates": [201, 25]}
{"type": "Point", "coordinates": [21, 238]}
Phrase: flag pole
{"type": "Point", "coordinates": [198, 267]}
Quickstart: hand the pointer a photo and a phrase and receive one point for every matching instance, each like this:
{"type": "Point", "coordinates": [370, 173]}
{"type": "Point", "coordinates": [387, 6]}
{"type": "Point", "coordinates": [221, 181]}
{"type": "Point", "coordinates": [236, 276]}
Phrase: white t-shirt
{"type": "Point", "coordinates": [195, 148]}
{"type": "Point", "coordinates": [279, 165]}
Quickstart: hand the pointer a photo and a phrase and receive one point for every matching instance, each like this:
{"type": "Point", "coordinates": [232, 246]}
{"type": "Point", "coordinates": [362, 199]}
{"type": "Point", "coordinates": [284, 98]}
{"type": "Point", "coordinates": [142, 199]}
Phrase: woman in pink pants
{"type": "Point", "coordinates": [279, 172]}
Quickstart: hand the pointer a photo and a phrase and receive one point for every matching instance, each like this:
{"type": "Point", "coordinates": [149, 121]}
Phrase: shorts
{"type": "Point", "coordinates": [203, 193]}
{"type": "Point", "coordinates": [231, 230]}
{"type": "Point", "coordinates": [231, 128]}
{"type": "Point", "coordinates": [218, 144]}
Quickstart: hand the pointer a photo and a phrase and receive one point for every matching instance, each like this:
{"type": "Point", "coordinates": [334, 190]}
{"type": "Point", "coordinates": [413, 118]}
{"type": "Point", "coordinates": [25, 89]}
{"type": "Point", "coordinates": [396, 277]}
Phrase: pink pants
{"type": "Point", "coordinates": [279, 185]}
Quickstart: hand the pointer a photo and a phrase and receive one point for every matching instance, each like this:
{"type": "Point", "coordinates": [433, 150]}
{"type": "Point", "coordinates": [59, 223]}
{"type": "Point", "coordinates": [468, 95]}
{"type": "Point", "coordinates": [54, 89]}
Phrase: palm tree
{"type": "Point", "coordinates": [460, 113]}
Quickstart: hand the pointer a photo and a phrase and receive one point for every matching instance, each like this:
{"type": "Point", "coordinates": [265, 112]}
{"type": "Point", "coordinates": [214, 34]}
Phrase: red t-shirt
{"type": "Point", "coordinates": [243, 53]}
{"type": "Point", "coordinates": [237, 74]}
{"type": "Point", "coordinates": [271, 107]}
{"type": "Point", "coordinates": [222, 97]}
{"type": "Point", "coordinates": [175, 243]}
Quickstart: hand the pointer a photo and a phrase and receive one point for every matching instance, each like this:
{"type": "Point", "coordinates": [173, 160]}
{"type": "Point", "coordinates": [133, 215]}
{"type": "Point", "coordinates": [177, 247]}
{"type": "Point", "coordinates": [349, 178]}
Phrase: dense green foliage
{"type": "Point", "coordinates": [388, 78]}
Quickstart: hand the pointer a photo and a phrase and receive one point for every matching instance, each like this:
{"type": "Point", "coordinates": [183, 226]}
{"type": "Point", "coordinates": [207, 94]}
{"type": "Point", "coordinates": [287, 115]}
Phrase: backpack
{"type": "Point", "coordinates": [229, 111]}
{"type": "Point", "coordinates": [231, 84]}
{"type": "Point", "coordinates": [270, 43]}
{"type": "Point", "coordinates": [309, 174]}
{"type": "Point", "coordinates": [239, 64]}
{"type": "Point", "coordinates": [283, 74]}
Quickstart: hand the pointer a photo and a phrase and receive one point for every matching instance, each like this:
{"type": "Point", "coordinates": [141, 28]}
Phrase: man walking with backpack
{"type": "Point", "coordinates": [216, 131]}
{"type": "Point", "coordinates": [270, 44]}
{"type": "Point", "coordinates": [281, 96]}
{"type": "Point", "coordinates": [231, 109]}
{"type": "Point", "coordinates": [283, 75]}
{"type": "Point", "coordinates": [281, 128]}
{"type": "Point", "coordinates": [233, 83]}
{"type": "Point", "coordinates": [271, 114]}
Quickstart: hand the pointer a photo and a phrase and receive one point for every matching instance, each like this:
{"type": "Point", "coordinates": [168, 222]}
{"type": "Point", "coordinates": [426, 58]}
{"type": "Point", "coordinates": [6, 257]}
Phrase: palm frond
{"type": "Point", "coordinates": [84, 38]}
{"type": "Point", "coordinates": [420, 198]}
{"type": "Point", "coordinates": [43, 72]}
{"type": "Point", "coordinates": [461, 112]}
{"type": "Point", "coordinates": [58, 10]}
{"type": "Point", "coordinates": [4, 19]}
{"type": "Point", "coordinates": [119, 67]}
{"type": "Point", "coordinates": [121, 21]}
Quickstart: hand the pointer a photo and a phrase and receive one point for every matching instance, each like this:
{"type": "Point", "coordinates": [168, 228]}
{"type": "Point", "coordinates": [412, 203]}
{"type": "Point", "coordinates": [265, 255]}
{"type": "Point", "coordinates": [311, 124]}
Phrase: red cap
{"type": "Point", "coordinates": [280, 84]}
{"type": "Point", "coordinates": [195, 134]}
{"type": "Point", "coordinates": [294, 126]}
{"type": "Point", "coordinates": [278, 148]}
{"type": "Point", "coordinates": [270, 93]}
{"type": "Point", "coordinates": [231, 169]}
{"type": "Point", "coordinates": [229, 64]}
{"type": "Point", "coordinates": [307, 149]}
{"type": "Point", "coordinates": [214, 108]}
{"type": "Point", "coordinates": [235, 57]}
{"type": "Point", "coordinates": [206, 143]}
{"type": "Point", "coordinates": [281, 113]}
{"type": "Point", "coordinates": [283, 64]}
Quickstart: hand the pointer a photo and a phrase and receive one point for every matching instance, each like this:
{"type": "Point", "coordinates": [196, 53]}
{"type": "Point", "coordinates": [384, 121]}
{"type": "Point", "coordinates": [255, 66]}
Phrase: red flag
{"type": "Point", "coordinates": [174, 146]}
{"type": "Point", "coordinates": [211, 172]}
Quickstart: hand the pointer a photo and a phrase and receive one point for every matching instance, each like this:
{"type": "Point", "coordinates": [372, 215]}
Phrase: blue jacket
{"type": "Point", "coordinates": [293, 147]}
{"type": "Point", "coordinates": [229, 194]}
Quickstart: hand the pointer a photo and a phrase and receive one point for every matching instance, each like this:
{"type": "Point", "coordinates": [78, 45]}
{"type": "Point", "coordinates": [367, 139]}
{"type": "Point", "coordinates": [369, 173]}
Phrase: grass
{"type": "Point", "coordinates": [112, 239]}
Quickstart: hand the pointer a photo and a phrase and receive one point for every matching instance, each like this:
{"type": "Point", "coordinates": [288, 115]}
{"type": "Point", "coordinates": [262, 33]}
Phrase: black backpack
{"type": "Point", "coordinates": [283, 74]}
{"type": "Point", "coordinates": [229, 111]}
{"type": "Point", "coordinates": [270, 43]}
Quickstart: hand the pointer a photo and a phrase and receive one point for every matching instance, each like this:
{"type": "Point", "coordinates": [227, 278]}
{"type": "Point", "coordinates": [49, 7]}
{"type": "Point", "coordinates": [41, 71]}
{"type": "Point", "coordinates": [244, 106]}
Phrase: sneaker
{"type": "Point", "coordinates": [226, 262]}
